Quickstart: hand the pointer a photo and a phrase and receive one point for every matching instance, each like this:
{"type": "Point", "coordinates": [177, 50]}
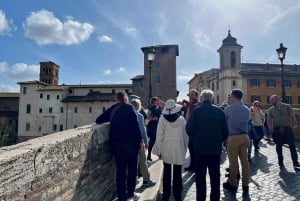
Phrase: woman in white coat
{"type": "Point", "coordinates": [170, 146]}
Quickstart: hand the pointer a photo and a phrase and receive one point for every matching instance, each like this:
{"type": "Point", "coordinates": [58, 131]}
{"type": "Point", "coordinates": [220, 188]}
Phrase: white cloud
{"type": "Point", "coordinates": [5, 27]}
{"type": "Point", "coordinates": [3, 67]}
{"type": "Point", "coordinates": [24, 72]}
{"type": "Point", "coordinates": [43, 27]}
{"type": "Point", "coordinates": [121, 69]}
{"type": "Point", "coordinates": [104, 39]}
{"type": "Point", "coordinates": [10, 75]}
{"type": "Point", "coordinates": [106, 72]}
{"type": "Point", "coordinates": [9, 88]}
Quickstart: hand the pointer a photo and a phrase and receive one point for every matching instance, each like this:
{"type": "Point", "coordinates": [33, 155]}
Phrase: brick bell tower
{"type": "Point", "coordinates": [49, 72]}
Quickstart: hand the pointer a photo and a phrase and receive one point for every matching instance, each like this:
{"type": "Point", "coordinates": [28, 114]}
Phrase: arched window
{"type": "Point", "coordinates": [233, 83]}
{"type": "Point", "coordinates": [232, 59]}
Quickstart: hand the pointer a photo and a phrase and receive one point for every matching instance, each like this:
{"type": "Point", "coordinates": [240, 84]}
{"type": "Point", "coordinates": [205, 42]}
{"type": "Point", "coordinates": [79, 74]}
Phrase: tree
{"type": "Point", "coordinates": [7, 137]}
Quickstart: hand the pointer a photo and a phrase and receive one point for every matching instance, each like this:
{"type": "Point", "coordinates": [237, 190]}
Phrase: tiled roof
{"type": "Point", "coordinates": [92, 96]}
{"type": "Point", "coordinates": [9, 95]}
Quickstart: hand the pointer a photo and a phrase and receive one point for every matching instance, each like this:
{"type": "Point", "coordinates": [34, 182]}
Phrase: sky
{"type": "Point", "coordinates": [99, 41]}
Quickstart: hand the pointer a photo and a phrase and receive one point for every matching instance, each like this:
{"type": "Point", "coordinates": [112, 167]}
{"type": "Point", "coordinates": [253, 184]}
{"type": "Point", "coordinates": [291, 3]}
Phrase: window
{"type": "Point", "coordinates": [40, 129]}
{"type": "Point", "coordinates": [218, 99]}
{"type": "Point", "coordinates": [255, 98]}
{"type": "Point", "coordinates": [75, 126]}
{"type": "Point", "coordinates": [41, 96]}
{"type": "Point", "coordinates": [61, 127]}
{"type": "Point", "coordinates": [233, 83]}
{"type": "Point", "coordinates": [54, 127]}
{"type": "Point", "coordinates": [48, 97]}
{"type": "Point", "coordinates": [75, 109]}
{"type": "Point", "coordinates": [298, 99]}
{"type": "Point", "coordinates": [103, 109]}
{"type": "Point", "coordinates": [157, 66]}
{"type": "Point", "coordinates": [24, 90]}
{"type": "Point", "coordinates": [113, 91]}
{"type": "Point", "coordinates": [217, 85]}
{"type": "Point", "coordinates": [28, 108]}
{"type": "Point", "coordinates": [70, 91]}
{"type": "Point", "coordinates": [268, 99]}
{"type": "Point", "coordinates": [287, 83]}
{"type": "Point", "coordinates": [61, 110]}
{"type": "Point", "coordinates": [57, 97]}
{"type": "Point", "coordinates": [298, 83]}
{"type": "Point", "coordinates": [27, 126]}
{"type": "Point", "coordinates": [254, 83]}
{"type": "Point", "coordinates": [289, 99]}
{"type": "Point", "coordinates": [40, 110]}
{"type": "Point", "coordinates": [213, 86]}
{"type": "Point", "coordinates": [232, 59]}
{"type": "Point", "coordinates": [157, 79]}
{"type": "Point", "coordinates": [127, 91]}
{"type": "Point", "coordinates": [271, 83]}
{"type": "Point", "coordinates": [50, 109]}
{"type": "Point", "coordinates": [90, 110]}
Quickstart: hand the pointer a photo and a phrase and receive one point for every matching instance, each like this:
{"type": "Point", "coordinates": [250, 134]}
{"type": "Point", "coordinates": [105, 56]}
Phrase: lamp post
{"type": "Point", "coordinates": [150, 57]}
{"type": "Point", "coordinates": [281, 55]}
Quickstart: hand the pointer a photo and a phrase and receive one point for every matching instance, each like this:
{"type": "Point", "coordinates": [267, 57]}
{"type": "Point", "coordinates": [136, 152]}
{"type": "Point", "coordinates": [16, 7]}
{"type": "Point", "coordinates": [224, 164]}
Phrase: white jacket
{"type": "Point", "coordinates": [171, 141]}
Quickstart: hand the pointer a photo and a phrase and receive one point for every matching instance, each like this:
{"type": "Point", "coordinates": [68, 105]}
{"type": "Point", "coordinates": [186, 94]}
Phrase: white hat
{"type": "Point", "coordinates": [171, 107]}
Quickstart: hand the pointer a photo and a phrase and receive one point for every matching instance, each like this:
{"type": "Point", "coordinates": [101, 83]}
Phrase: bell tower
{"type": "Point", "coordinates": [49, 72]}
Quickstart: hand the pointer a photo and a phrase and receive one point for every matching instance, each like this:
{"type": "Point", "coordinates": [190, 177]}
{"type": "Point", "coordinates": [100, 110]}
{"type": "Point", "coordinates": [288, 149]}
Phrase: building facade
{"type": "Point", "coordinates": [163, 74]}
{"type": "Point", "coordinates": [47, 108]}
{"type": "Point", "coordinates": [258, 81]}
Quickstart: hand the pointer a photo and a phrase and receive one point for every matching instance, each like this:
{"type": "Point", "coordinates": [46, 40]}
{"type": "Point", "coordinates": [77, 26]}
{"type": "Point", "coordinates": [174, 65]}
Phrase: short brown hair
{"type": "Point", "coordinates": [122, 97]}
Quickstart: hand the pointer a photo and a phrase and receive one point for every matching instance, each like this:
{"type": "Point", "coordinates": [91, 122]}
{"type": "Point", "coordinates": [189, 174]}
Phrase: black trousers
{"type": "Point", "coordinates": [151, 132]}
{"type": "Point", "coordinates": [260, 134]}
{"type": "Point", "coordinates": [177, 182]}
{"type": "Point", "coordinates": [212, 163]}
{"type": "Point", "coordinates": [126, 162]}
{"type": "Point", "coordinates": [285, 138]}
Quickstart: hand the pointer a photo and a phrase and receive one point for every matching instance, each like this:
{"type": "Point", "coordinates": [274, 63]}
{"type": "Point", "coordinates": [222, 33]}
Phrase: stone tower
{"type": "Point", "coordinates": [49, 72]}
{"type": "Point", "coordinates": [230, 66]}
{"type": "Point", "coordinates": [163, 72]}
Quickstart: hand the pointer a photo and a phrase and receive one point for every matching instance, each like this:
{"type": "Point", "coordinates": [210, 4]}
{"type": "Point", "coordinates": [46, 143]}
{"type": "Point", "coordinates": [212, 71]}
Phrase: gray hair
{"type": "Point", "coordinates": [207, 94]}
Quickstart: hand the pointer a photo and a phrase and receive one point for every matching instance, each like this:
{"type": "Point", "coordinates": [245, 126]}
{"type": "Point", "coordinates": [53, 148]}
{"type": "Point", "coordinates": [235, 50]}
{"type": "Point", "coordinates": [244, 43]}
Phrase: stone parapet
{"type": "Point", "coordinates": [75, 164]}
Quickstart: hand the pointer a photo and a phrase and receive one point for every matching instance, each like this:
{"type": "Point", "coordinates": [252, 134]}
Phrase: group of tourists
{"type": "Point", "coordinates": [201, 127]}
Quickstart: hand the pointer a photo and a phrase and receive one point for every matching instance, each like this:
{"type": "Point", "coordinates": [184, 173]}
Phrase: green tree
{"type": "Point", "coordinates": [7, 137]}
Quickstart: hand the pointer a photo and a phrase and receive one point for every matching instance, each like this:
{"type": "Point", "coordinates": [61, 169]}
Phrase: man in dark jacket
{"type": "Point", "coordinates": [125, 140]}
{"type": "Point", "coordinates": [207, 129]}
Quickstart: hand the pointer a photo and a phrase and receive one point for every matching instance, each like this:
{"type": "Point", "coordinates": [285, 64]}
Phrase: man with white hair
{"type": "Point", "coordinates": [207, 129]}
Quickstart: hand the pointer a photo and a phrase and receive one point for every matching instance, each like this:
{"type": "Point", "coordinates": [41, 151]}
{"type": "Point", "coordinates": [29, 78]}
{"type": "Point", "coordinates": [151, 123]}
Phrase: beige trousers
{"type": "Point", "coordinates": [143, 166]}
{"type": "Point", "coordinates": [237, 146]}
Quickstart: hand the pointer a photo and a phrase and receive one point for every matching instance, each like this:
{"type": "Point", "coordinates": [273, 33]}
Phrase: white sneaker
{"type": "Point", "coordinates": [136, 196]}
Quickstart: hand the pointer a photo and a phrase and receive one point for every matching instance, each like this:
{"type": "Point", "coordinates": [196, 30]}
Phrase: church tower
{"type": "Point", "coordinates": [49, 72]}
{"type": "Point", "coordinates": [230, 66]}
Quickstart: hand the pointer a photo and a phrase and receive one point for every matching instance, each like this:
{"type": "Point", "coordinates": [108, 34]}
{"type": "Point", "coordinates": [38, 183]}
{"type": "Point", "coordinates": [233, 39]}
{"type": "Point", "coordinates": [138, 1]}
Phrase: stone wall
{"type": "Point", "coordinates": [75, 165]}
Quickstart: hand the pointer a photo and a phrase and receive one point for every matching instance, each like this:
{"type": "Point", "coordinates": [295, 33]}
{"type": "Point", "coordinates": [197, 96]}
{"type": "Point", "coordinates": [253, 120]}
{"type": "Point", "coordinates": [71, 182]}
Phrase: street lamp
{"type": "Point", "coordinates": [281, 55]}
{"type": "Point", "coordinates": [151, 57]}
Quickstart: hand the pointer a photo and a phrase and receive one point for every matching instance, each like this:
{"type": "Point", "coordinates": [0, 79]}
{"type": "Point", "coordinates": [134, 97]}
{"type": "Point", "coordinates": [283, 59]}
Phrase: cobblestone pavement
{"type": "Point", "coordinates": [267, 182]}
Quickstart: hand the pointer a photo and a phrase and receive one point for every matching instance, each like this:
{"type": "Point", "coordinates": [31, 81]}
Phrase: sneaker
{"type": "Point", "coordinates": [229, 187]}
{"type": "Point", "coordinates": [297, 166]}
{"type": "Point", "coordinates": [136, 196]}
{"type": "Point", "coordinates": [148, 183]}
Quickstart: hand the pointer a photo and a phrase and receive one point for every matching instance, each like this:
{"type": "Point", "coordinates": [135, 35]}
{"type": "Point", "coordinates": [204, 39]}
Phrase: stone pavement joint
{"type": "Point", "coordinates": [267, 181]}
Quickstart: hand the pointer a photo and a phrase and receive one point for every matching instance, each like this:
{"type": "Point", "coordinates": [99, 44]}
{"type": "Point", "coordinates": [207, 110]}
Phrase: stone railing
{"type": "Point", "coordinates": [74, 165]}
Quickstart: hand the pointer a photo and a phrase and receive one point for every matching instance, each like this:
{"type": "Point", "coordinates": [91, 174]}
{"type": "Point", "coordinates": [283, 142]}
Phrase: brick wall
{"type": "Point", "coordinates": [75, 165]}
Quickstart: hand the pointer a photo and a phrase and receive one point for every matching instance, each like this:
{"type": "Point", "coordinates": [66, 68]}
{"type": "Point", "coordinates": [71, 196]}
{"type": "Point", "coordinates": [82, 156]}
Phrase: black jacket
{"type": "Point", "coordinates": [207, 129]}
{"type": "Point", "coordinates": [124, 126]}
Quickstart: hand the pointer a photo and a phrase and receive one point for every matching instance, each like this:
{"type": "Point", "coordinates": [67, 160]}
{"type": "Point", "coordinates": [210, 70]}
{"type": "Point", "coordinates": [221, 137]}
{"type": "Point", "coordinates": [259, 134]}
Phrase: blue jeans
{"type": "Point", "coordinates": [126, 157]}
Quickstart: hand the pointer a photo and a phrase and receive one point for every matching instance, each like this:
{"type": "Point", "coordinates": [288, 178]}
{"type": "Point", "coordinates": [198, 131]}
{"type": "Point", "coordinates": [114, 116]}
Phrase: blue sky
{"type": "Point", "coordinates": [99, 41]}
